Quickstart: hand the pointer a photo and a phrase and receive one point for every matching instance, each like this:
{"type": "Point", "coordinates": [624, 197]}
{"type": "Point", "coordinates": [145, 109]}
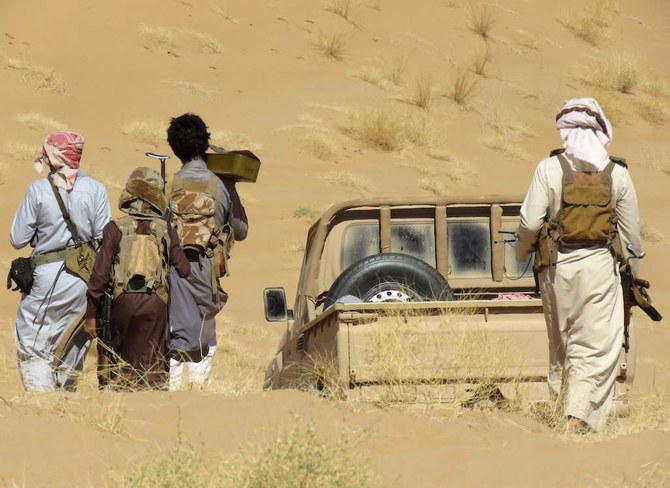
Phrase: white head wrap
{"type": "Point", "coordinates": [585, 131]}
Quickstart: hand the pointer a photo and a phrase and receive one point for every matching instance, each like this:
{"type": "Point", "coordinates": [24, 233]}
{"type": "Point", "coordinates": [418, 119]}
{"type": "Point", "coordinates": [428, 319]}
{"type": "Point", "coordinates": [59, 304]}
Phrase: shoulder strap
{"type": "Point", "coordinates": [619, 161]}
{"type": "Point", "coordinates": [567, 169]}
{"type": "Point", "coordinates": [66, 215]}
{"type": "Point", "coordinates": [556, 152]}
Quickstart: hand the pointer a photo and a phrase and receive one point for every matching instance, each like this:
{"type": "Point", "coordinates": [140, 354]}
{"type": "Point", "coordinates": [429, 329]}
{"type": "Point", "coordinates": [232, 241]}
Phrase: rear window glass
{"type": "Point", "coordinates": [361, 240]}
{"type": "Point", "coordinates": [416, 239]}
{"type": "Point", "coordinates": [469, 248]}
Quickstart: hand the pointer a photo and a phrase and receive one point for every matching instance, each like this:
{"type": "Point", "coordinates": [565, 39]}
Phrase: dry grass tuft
{"type": "Point", "coordinates": [225, 13]}
{"type": "Point", "coordinates": [331, 45]}
{"type": "Point", "coordinates": [617, 72]}
{"type": "Point", "coordinates": [431, 185]}
{"type": "Point", "coordinates": [207, 43]}
{"type": "Point", "coordinates": [341, 8]}
{"type": "Point", "coordinates": [146, 131]}
{"type": "Point", "coordinates": [233, 140]}
{"type": "Point", "coordinates": [387, 131]}
{"type": "Point", "coordinates": [528, 40]}
{"type": "Point", "coordinates": [402, 351]}
{"type": "Point", "coordinates": [308, 214]}
{"type": "Point", "coordinates": [350, 182]}
{"type": "Point", "coordinates": [507, 145]}
{"type": "Point", "coordinates": [20, 152]}
{"type": "Point", "coordinates": [653, 110]}
{"type": "Point", "coordinates": [373, 76]}
{"type": "Point", "coordinates": [609, 102]}
{"type": "Point", "coordinates": [158, 35]}
{"type": "Point", "coordinates": [648, 233]}
{"type": "Point", "coordinates": [191, 88]}
{"type": "Point", "coordinates": [591, 23]}
{"type": "Point", "coordinates": [397, 68]}
{"type": "Point", "coordinates": [39, 76]}
{"type": "Point", "coordinates": [480, 64]}
{"type": "Point", "coordinates": [498, 119]}
{"type": "Point", "coordinates": [423, 93]}
{"type": "Point", "coordinates": [299, 458]}
{"type": "Point", "coordinates": [320, 145]}
{"type": "Point", "coordinates": [463, 87]}
{"type": "Point", "coordinates": [36, 120]}
{"type": "Point", "coordinates": [482, 21]}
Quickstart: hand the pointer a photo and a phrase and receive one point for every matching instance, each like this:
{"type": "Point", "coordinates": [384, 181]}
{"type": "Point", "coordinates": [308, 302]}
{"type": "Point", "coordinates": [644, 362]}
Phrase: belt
{"type": "Point", "coordinates": [48, 257]}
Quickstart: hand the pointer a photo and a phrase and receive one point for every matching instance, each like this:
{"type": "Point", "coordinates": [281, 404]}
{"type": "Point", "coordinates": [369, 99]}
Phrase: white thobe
{"type": "Point", "coordinates": [582, 296]}
{"type": "Point", "coordinates": [56, 297]}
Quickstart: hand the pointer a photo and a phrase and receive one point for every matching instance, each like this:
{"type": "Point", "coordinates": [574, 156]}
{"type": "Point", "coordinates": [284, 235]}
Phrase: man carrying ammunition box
{"type": "Point", "coordinates": [579, 215]}
{"type": "Point", "coordinates": [209, 217]}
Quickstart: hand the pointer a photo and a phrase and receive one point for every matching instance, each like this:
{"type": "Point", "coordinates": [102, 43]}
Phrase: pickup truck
{"type": "Point", "coordinates": [416, 300]}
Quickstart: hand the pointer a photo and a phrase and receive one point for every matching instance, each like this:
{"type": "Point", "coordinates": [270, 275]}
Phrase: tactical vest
{"type": "Point", "coordinates": [140, 266]}
{"type": "Point", "coordinates": [193, 204]}
{"type": "Point", "coordinates": [586, 217]}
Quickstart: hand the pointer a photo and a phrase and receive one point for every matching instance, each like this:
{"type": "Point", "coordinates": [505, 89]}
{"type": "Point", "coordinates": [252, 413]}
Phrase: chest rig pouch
{"type": "Point", "coordinates": [140, 266]}
{"type": "Point", "coordinates": [586, 217]}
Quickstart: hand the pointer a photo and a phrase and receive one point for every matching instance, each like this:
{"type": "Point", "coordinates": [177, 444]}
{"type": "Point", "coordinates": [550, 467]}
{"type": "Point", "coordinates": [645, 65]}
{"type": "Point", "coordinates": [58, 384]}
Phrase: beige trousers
{"type": "Point", "coordinates": [583, 308]}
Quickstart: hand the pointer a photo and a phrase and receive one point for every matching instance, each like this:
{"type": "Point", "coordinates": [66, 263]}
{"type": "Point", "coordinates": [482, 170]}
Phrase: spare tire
{"type": "Point", "coordinates": [390, 277]}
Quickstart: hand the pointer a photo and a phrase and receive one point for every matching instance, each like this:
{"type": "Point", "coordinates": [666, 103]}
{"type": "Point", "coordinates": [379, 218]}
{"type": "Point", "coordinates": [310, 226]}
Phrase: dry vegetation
{"type": "Point", "coordinates": [423, 92]}
{"type": "Point", "coordinates": [38, 76]}
{"type": "Point", "coordinates": [648, 233]}
{"type": "Point", "coordinates": [292, 459]}
{"type": "Point", "coordinates": [146, 131]}
{"type": "Point", "coordinates": [306, 213]}
{"type": "Point", "coordinates": [463, 87]}
{"type": "Point", "coordinates": [388, 131]}
{"type": "Point", "coordinates": [616, 72]}
{"type": "Point", "coordinates": [21, 152]}
{"type": "Point", "coordinates": [348, 181]}
{"type": "Point", "coordinates": [39, 121]}
{"type": "Point", "coordinates": [507, 133]}
{"type": "Point", "coordinates": [341, 8]}
{"type": "Point", "coordinates": [320, 145]}
{"type": "Point", "coordinates": [331, 45]}
{"type": "Point", "coordinates": [482, 21]}
{"type": "Point", "coordinates": [170, 37]}
{"type": "Point", "coordinates": [590, 23]}
{"type": "Point", "coordinates": [479, 66]}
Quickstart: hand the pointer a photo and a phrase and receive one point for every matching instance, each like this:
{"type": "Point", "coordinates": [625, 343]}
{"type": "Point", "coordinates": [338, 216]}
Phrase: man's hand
{"type": "Point", "coordinates": [89, 327]}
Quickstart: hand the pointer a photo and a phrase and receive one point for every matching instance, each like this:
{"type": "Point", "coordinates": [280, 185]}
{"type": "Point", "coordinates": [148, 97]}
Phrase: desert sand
{"type": "Point", "coordinates": [297, 82]}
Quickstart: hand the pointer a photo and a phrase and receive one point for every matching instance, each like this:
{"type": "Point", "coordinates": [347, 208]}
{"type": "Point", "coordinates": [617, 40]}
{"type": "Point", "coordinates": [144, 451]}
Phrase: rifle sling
{"type": "Point", "coordinates": [66, 215]}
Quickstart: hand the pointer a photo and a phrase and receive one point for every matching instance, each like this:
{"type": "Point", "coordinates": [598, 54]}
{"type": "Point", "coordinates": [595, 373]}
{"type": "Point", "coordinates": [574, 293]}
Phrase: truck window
{"type": "Point", "coordinates": [360, 240]}
{"type": "Point", "coordinates": [469, 248]}
{"type": "Point", "coordinates": [414, 238]}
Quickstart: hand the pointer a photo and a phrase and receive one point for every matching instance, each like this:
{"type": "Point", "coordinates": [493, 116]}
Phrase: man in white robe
{"type": "Point", "coordinates": [581, 293]}
{"type": "Point", "coordinates": [57, 297]}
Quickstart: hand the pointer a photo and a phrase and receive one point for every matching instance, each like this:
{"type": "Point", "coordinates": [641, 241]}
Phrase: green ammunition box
{"type": "Point", "coordinates": [240, 165]}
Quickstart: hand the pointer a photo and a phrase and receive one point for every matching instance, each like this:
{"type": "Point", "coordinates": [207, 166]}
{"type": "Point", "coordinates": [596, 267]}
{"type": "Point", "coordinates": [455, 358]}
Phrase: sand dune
{"type": "Point", "coordinates": [292, 81]}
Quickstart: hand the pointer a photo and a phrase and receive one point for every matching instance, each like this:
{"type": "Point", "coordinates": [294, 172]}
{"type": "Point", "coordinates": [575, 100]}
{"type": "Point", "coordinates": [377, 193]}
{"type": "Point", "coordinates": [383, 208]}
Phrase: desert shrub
{"type": "Point", "coordinates": [653, 109]}
{"type": "Point", "coordinates": [590, 23]}
{"type": "Point", "coordinates": [331, 45]}
{"type": "Point", "coordinates": [616, 72]}
{"type": "Point", "coordinates": [39, 76]}
{"type": "Point", "coordinates": [482, 21]}
{"type": "Point", "coordinates": [350, 182]}
{"type": "Point", "coordinates": [479, 65]}
{"type": "Point", "coordinates": [463, 87]}
{"type": "Point", "coordinates": [147, 131]}
{"type": "Point", "coordinates": [340, 7]}
{"type": "Point", "coordinates": [423, 93]}
{"type": "Point", "coordinates": [39, 121]}
{"type": "Point", "coordinates": [305, 213]}
{"type": "Point", "coordinates": [298, 459]}
{"type": "Point", "coordinates": [386, 130]}
{"type": "Point", "coordinates": [319, 145]}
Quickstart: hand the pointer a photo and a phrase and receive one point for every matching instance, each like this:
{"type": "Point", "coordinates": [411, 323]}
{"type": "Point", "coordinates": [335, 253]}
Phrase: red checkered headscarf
{"type": "Point", "coordinates": [62, 152]}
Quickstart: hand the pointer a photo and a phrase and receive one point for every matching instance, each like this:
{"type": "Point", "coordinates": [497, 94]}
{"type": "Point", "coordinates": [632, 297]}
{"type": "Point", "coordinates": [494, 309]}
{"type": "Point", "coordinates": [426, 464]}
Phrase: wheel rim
{"type": "Point", "coordinates": [391, 292]}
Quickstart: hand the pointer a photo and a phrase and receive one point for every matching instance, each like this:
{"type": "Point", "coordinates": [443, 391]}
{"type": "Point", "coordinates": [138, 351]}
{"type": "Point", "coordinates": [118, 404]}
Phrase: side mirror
{"type": "Point", "coordinates": [275, 304]}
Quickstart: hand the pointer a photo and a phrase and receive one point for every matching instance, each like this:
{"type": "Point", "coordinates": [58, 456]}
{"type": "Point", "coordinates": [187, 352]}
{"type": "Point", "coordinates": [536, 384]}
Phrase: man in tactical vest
{"type": "Point", "coordinates": [133, 261]}
{"type": "Point", "coordinates": [208, 216]}
{"type": "Point", "coordinates": [579, 215]}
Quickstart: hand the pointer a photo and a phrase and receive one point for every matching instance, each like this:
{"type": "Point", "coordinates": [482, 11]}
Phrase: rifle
{"type": "Point", "coordinates": [635, 294]}
{"type": "Point", "coordinates": [103, 328]}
